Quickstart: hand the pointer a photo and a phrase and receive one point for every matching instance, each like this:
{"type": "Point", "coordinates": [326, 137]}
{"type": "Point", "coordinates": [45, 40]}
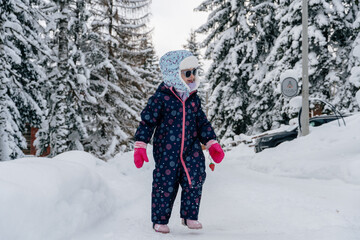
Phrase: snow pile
{"type": "Point", "coordinates": [328, 152]}
{"type": "Point", "coordinates": [43, 198]}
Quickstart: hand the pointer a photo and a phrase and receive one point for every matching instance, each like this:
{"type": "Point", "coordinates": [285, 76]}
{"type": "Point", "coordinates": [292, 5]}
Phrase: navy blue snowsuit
{"type": "Point", "coordinates": [179, 128]}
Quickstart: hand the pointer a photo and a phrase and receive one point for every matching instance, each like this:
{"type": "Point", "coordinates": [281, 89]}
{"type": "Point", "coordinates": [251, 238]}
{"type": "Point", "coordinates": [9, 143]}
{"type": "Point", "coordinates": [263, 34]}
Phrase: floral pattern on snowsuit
{"type": "Point", "coordinates": [180, 127]}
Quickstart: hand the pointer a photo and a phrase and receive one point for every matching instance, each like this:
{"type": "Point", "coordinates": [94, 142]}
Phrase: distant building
{"type": "Point", "coordinates": [29, 134]}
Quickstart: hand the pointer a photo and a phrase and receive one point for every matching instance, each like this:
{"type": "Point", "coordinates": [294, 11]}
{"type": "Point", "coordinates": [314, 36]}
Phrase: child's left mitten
{"type": "Point", "coordinates": [215, 151]}
{"type": "Point", "coordinates": [140, 154]}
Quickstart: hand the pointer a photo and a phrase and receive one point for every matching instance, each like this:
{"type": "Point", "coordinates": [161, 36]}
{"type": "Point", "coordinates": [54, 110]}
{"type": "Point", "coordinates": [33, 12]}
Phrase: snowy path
{"type": "Point", "coordinates": [300, 190]}
{"type": "Point", "coordinates": [237, 203]}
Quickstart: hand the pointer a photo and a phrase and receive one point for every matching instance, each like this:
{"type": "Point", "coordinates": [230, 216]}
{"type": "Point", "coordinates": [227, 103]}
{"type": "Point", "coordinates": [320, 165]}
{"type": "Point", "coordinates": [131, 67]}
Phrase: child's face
{"type": "Point", "coordinates": [185, 73]}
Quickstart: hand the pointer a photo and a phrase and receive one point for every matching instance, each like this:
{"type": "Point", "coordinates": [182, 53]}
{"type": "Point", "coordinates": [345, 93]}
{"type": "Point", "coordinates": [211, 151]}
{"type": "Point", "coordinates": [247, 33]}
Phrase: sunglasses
{"type": "Point", "coordinates": [188, 73]}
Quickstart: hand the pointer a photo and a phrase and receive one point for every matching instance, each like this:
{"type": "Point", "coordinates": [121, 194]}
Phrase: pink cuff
{"type": "Point", "coordinates": [209, 143]}
{"type": "Point", "coordinates": [139, 144]}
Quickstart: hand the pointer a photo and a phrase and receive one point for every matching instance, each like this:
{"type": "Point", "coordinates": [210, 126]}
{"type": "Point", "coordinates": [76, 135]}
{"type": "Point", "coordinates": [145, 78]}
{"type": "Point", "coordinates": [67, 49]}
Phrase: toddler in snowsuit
{"type": "Point", "coordinates": [174, 112]}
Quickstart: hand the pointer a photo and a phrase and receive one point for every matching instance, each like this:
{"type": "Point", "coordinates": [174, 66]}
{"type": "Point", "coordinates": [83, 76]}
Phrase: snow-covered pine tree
{"type": "Point", "coordinates": [150, 63]}
{"type": "Point", "coordinates": [328, 26]}
{"type": "Point", "coordinates": [238, 41]}
{"type": "Point", "coordinates": [269, 107]}
{"type": "Point", "coordinates": [354, 62]}
{"type": "Point", "coordinates": [340, 36]}
{"type": "Point", "coordinates": [67, 88]}
{"type": "Point", "coordinates": [21, 101]}
{"type": "Point", "coordinates": [12, 140]}
{"type": "Point", "coordinates": [269, 44]}
{"type": "Point", "coordinates": [351, 86]}
{"type": "Point", "coordinates": [118, 80]}
{"type": "Point", "coordinates": [194, 46]}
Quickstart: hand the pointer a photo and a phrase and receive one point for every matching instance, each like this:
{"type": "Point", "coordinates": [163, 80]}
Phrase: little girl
{"type": "Point", "coordinates": [180, 125]}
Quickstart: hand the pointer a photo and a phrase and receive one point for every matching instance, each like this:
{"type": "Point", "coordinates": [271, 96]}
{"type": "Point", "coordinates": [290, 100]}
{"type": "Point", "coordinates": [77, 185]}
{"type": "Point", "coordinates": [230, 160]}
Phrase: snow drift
{"type": "Point", "coordinates": [329, 152]}
{"type": "Point", "coordinates": [51, 198]}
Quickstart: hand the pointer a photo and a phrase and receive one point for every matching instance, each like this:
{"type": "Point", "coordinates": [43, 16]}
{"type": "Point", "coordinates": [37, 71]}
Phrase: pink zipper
{"type": "Point", "coordinates": [183, 138]}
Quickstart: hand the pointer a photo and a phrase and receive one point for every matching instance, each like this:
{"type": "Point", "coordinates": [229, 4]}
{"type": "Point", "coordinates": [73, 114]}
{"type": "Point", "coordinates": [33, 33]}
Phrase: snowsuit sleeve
{"type": "Point", "coordinates": [204, 128]}
{"type": "Point", "coordinates": [150, 118]}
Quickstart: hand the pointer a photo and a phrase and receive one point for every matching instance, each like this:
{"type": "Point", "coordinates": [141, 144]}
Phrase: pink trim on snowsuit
{"type": "Point", "coordinates": [183, 136]}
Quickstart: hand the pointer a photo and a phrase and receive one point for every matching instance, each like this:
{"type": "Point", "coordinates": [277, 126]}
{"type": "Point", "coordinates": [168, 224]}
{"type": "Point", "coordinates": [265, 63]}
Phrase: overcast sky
{"type": "Point", "coordinates": [172, 21]}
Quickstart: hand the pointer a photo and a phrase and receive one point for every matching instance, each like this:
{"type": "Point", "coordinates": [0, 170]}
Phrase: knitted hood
{"type": "Point", "coordinates": [171, 65]}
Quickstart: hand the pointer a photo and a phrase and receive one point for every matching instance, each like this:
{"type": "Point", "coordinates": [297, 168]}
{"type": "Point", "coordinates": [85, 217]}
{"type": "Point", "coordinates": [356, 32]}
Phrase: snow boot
{"type": "Point", "coordinates": [192, 224]}
{"type": "Point", "coordinates": [161, 228]}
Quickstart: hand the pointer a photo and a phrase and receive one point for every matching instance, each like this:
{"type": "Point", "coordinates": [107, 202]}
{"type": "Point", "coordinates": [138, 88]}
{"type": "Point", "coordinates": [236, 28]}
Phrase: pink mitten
{"type": "Point", "coordinates": [140, 156]}
{"type": "Point", "coordinates": [216, 152]}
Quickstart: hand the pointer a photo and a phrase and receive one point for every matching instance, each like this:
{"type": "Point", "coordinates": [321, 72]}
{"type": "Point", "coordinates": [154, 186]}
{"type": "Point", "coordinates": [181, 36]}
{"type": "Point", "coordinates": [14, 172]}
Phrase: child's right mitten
{"type": "Point", "coordinates": [216, 152]}
{"type": "Point", "coordinates": [140, 154]}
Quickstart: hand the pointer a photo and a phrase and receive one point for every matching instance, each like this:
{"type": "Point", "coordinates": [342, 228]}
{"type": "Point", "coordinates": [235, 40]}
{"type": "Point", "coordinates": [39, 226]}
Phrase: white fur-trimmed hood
{"type": "Point", "coordinates": [189, 62]}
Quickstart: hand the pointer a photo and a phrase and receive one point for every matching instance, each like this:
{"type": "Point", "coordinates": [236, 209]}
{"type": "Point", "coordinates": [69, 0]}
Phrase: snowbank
{"type": "Point", "coordinates": [42, 198]}
{"type": "Point", "coordinates": [304, 194]}
{"type": "Point", "coordinates": [328, 152]}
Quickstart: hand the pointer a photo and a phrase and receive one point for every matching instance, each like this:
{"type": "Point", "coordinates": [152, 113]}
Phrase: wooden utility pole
{"type": "Point", "coordinates": [305, 72]}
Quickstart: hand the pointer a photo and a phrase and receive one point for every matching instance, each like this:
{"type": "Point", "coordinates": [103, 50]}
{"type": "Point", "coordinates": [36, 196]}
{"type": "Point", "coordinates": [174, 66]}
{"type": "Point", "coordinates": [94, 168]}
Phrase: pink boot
{"type": "Point", "coordinates": [161, 228]}
{"type": "Point", "coordinates": [192, 224]}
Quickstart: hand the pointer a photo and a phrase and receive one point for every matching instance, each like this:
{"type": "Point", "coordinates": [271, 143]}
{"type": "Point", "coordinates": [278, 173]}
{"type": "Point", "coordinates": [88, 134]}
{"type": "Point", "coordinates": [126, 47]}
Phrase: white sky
{"type": "Point", "coordinates": [172, 21]}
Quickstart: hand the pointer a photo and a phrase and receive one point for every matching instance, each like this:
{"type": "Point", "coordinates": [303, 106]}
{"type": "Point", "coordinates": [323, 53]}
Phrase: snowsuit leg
{"type": "Point", "coordinates": [164, 191]}
{"type": "Point", "coordinates": [190, 200]}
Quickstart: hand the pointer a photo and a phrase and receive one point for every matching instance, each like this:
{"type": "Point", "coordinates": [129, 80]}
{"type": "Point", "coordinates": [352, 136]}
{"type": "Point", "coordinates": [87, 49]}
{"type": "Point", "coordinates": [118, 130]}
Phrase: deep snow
{"type": "Point", "coordinates": [308, 188]}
